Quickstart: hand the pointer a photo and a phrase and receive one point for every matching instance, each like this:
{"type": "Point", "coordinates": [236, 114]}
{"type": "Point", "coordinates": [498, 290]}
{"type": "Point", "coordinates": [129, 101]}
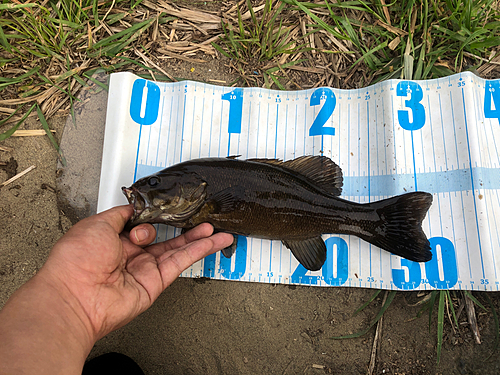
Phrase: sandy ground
{"type": "Point", "coordinates": [200, 326]}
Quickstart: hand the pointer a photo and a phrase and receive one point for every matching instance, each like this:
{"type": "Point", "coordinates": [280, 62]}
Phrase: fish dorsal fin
{"type": "Point", "coordinates": [311, 253]}
{"type": "Point", "coordinates": [322, 170]}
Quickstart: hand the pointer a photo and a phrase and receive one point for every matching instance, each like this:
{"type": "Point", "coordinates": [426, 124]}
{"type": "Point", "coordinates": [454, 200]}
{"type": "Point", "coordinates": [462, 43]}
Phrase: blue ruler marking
{"type": "Point", "coordinates": [438, 181]}
{"type": "Point", "coordinates": [472, 182]}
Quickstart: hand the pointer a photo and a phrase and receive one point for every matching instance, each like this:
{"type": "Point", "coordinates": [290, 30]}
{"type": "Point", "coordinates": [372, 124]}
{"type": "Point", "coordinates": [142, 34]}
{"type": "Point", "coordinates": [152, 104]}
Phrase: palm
{"type": "Point", "coordinates": [116, 279]}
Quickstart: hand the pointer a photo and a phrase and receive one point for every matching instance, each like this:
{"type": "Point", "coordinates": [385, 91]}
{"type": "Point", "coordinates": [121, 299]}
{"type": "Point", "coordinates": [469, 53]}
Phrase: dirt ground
{"type": "Point", "coordinates": [201, 326]}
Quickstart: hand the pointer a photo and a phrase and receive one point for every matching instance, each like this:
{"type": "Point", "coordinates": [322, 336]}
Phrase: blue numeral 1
{"type": "Point", "coordinates": [235, 99]}
{"type": "Point", "coordinates": [209, 266]}
{"type": "Point", "coordinates": [225, 263]}
{"type": "Point", "coordinates": [240, 263]}
{"type": "Point", "coordinates": [413, 89]}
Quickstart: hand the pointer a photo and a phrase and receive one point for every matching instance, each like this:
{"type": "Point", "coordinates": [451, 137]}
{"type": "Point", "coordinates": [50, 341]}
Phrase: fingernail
{"type": "Point", "coordinates": [141, 234]}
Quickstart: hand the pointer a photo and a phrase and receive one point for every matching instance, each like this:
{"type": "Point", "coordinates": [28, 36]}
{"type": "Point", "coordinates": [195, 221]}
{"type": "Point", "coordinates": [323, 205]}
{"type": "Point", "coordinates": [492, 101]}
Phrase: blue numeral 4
{"type": "Point", "coordinates": [492, 99]}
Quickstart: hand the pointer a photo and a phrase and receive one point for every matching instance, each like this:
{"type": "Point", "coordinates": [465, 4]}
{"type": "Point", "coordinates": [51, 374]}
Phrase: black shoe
{"type": "Point", "coordinates": [112, 364]}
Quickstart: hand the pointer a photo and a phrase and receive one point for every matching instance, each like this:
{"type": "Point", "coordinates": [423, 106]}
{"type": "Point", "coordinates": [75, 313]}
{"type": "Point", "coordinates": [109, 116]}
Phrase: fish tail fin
{"type": "Point", "coordinates": [399, 229]}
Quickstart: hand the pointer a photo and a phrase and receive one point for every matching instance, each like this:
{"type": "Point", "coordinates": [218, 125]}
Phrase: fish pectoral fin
{"type": "Point", "coordinates": [226, 200]}
{"type": "Point", "coordinates": [311, 253]}
{"type": "Point", "coordinates": [231, 249]}
{"type": "Point", "coordinates": [320, 169]}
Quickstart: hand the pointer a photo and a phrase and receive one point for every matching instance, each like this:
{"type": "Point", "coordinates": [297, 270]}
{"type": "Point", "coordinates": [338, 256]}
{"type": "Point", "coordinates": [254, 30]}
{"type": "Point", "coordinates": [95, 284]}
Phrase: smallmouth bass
{"type": "Point", "coordinates": [294, 201]}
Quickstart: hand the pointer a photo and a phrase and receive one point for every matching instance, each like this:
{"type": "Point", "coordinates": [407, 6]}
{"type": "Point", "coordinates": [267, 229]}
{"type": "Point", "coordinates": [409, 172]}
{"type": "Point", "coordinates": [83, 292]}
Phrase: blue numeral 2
{"type": "Point", "coordinates": [318, 127]}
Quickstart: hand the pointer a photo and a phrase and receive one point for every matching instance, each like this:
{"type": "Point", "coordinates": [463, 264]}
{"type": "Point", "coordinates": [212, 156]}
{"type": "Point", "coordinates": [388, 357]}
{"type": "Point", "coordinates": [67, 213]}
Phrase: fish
{"type": "Point", "coordinates": [295, 201]}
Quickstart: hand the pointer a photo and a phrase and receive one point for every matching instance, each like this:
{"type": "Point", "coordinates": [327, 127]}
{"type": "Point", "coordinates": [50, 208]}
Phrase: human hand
{"type": "Point", "coordinates": [115, 276]}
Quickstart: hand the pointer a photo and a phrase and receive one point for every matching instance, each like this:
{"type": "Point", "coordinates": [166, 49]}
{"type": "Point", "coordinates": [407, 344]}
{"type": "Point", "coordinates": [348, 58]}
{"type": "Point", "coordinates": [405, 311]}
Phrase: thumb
{"type": "Point", "coordinates": [117, 217]}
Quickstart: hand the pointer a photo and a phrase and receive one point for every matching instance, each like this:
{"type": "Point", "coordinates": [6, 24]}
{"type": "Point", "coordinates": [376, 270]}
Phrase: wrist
{"type": "Point", "coordinates": [42, 329]}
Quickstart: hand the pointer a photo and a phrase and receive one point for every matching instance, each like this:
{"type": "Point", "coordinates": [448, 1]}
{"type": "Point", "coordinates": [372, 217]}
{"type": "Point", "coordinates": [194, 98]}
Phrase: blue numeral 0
{"type": "Point", "coordinates": [449, 263]}
{"type": "Point", "coordinates": [413, 89]}
{"type": "Point", "coordinates": [144, 102]}
{"type": "Point", "coordinates": [342, 262]}
{"type": "Point", "coordinates": [318, 128]}
{"type": "Point", "coordinates": [492, 99]}
{"type": "Point", "coordinates": [235, 99]}
{"type": "Point", "coordinates": [414, 273]}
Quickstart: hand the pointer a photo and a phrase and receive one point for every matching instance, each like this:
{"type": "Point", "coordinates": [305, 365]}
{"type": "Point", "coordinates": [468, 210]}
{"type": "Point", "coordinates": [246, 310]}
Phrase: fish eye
{"type": "Point", "coordinates": [153, 181]}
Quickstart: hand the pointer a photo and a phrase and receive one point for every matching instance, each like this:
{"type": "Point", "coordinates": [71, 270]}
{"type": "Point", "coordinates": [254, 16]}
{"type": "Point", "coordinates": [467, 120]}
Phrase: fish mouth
{"type": "Point", "coordinates": [140, 203]}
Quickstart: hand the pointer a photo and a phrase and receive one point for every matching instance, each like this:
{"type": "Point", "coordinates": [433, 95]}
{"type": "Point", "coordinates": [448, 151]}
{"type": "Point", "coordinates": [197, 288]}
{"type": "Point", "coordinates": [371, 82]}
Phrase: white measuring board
{"type": "Point", "coordinates": [441, 136]}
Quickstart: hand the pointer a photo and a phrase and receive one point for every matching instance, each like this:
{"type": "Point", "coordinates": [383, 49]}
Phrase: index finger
{"type": "Point", "coordinates": [174, 262]}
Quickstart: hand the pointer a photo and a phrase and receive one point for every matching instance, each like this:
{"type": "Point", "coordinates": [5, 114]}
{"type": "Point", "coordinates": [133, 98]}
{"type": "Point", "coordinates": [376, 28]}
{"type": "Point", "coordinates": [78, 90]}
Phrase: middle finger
{"type": "Point", "coordinates": [200, 231]}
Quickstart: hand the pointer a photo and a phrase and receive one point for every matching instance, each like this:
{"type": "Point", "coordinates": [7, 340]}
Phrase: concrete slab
{"type": "Point", "coordinates": [81, 143]}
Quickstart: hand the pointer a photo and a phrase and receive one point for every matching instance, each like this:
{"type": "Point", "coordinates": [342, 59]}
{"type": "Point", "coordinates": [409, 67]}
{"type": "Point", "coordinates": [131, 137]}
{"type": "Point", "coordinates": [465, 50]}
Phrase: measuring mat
{"type": "Point", "coordinates": [440, 136]}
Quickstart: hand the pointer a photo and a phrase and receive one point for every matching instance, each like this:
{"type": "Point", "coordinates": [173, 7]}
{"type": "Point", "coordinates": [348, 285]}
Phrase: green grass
{"type": "Point", "coordinates": [432, 38]}
{"type": "Point", "coordinates": [443, 299]}
{"type": "Point", "coordinates": [60, 45]}
{"type": "Point", "coordinates": [406, 39]}
{"type": "Point", "coordinates": [255, 42]}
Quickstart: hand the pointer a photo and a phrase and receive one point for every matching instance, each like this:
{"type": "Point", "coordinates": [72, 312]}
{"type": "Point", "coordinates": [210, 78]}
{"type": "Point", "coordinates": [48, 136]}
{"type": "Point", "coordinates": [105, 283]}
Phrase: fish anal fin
{"type": "Point", "coordinates": [311, 252]}
{"type": "Point", "coordinates": [231, 249]}
{"type": "Point", "coordinates": [320, 169]}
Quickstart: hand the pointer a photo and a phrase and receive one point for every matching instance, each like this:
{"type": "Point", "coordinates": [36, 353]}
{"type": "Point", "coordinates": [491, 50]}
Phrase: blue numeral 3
{"type": "Point", "coordinates": [412, 89]}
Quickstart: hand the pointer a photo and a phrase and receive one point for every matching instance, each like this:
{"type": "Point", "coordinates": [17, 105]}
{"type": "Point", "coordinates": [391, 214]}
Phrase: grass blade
{"type": "Point", "coordinates": [474, 299]}
{"type": "Point", "coordinates": [497, 325]}
{"type": "Point", "coordinates": [440, 323]}
{"type": "Point", "coordinates": [11, 131]}
{"type": "Point", "coordinates": [377, 292]}
{"type": "Point", "coordinates": [431, 306]}
{"type": "Point", "coordinates": [448, 296]}
{"type": "Point", "coordinates": [387, 303]}
{"type": "Point", "coordinates": [45, 126]}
